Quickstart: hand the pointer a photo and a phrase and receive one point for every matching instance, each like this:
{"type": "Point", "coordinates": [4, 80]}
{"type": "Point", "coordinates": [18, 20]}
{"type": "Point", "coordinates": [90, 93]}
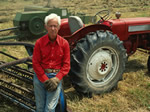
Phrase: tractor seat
{"type": "Point", "coordinates": [75, 23]}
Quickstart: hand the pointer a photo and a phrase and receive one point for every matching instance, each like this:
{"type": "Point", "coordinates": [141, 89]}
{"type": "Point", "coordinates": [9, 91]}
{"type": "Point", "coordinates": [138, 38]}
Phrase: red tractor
{"type": "Point", "coordinates": [99, 51]}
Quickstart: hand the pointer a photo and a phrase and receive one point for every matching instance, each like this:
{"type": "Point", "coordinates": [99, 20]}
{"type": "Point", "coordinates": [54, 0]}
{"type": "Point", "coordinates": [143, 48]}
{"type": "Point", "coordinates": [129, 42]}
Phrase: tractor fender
{"type": "Point", "coordinates": [84, 31]}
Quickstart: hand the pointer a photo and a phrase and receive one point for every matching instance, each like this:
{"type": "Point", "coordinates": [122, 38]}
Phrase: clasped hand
{"type": "Point", "coordinates": [51, 84]}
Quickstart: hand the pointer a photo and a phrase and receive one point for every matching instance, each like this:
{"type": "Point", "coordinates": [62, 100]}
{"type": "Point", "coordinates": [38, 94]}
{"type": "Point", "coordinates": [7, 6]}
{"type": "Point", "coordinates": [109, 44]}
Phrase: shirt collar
{"type": "Point", "coordinates": [57, 39]}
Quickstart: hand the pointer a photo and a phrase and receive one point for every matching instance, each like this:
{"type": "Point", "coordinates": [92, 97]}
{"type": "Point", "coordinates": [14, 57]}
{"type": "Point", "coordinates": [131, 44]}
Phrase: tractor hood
{"type": "Point", "coordinates": [129, 26]}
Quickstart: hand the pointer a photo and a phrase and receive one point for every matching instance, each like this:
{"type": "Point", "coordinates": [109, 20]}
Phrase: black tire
{"type": "Point", "coordinates": [97, 63]}
{"type": "Point", "coordinates": [148, 64]}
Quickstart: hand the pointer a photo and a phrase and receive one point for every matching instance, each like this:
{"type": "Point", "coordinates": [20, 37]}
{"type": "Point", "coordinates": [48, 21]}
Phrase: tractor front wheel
{"type": "Point", "coordinates": [97, 63]}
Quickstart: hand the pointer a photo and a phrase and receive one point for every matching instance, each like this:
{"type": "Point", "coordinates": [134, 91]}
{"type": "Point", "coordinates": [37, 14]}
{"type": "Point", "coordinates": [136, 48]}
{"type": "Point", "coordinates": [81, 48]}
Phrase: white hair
{"type": "Point", "coordinates": [52, 16]}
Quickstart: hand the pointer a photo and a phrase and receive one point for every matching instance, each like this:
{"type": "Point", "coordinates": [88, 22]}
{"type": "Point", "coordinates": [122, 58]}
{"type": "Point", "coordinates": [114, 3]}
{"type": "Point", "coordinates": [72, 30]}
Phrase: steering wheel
{"type": "Point", "coordinates": [101, 16]}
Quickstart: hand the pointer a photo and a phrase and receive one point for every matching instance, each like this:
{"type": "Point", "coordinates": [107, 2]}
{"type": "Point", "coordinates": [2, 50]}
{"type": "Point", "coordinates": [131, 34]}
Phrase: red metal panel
{"type": "Point", "coordinates": [130, 26]}
{"type": "Point", "coordinates": [64, 28]}
{"type": "Point", "coordinates": [119, 28]}
{"type": "Point", "coordinates": [138, 25]}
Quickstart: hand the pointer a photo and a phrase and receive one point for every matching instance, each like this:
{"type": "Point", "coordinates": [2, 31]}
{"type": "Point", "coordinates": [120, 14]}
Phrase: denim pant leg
{"type": "Point", "coordinates": [52, 99]}
{"type": "Point", "coordinates": [40, 93]}
{"type": "Point", "coordinates": [45, 101]}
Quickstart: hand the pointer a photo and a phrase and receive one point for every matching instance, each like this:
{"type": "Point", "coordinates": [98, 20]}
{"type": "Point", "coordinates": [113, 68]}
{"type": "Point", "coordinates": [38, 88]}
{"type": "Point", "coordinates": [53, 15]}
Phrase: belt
{"type": "Point", "coordinates": [51, 70]}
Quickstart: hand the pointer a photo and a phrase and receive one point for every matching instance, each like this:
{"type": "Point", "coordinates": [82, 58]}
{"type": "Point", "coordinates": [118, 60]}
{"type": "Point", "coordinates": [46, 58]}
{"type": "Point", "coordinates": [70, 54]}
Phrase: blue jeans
{"type": "Point", "coordinates": [45, 101]}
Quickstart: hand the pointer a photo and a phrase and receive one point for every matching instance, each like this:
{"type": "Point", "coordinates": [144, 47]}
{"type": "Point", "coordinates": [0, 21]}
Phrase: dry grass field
{"type": "Point", "coordinates": [132, 93]}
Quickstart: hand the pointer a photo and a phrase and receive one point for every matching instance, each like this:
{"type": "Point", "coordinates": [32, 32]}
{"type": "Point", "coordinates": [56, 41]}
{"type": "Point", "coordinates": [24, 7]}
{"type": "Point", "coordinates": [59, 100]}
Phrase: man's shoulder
{"type": "Point", "coordinates": [41, 39]}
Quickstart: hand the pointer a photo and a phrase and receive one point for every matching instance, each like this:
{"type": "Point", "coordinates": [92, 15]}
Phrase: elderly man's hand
{"type": "Point", "coordinates": [51, 84]}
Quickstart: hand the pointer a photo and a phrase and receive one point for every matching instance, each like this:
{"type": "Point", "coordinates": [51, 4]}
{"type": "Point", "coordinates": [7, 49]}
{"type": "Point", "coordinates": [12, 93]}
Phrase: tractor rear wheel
{"type": "Point", "coordinates": [148, 64]}
{"type": "Point", "coordinates": [97, 63]}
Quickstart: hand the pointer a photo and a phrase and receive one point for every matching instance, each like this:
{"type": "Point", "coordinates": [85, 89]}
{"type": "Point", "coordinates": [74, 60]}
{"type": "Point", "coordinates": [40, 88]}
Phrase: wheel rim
{"type": "Point", "coordinates": [102, 66]}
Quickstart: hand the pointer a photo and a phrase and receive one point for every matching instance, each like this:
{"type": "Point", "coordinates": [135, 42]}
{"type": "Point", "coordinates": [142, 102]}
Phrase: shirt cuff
{"type": "Point", "coordinates": [43, 78]}
{"type": "Point", "coordinates": [59, 76]}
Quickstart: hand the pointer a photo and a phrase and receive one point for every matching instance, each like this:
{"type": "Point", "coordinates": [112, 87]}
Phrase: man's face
{"type": "Point", "coordinates": [52, 27]}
